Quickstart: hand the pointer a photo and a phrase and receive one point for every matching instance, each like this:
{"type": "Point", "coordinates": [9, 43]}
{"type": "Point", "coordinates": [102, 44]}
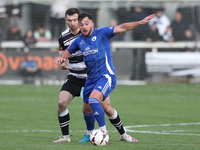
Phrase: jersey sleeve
{"type": "Point", "coordinates": [73, 47]}
{"type": "Point", "coordinates": [109, 31]}
{"type": "Point", "coordinates": [61, 45]}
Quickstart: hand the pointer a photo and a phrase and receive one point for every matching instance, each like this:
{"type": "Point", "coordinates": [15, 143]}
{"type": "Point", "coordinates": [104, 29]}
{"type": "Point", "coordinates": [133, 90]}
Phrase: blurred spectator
{"type": "Point", "coordinates": [188, 35]}
{"type": "Point", "coordinates": [179, 27]}
{"type": "Point", "coordinates": [14, 13]}
{"type": "Point", "coordinates": [113, 22]}
{"type": "Point", "coordinates": [42, 34]}
{"type": "Point", "coordinates": [3, 19]}
{"type": "Point", "coordinates": [168, 35]}
{"type": "Point", "coordinates": [29, 39]}
{"type": "Point", "coordinates": [152, 34]}
{"type": "Point", "coordinates": [139, 32]}
{"type": "Point", "coordinates": [14, 34]}
{"type": "Point", "coordinates": [118, 37]}
{"type": "Point", "coordinates": [57, 14]}
{"type": "Point", "coordinates": [30, 68]}
{"type": "Point", "coordinates": [162, 22]}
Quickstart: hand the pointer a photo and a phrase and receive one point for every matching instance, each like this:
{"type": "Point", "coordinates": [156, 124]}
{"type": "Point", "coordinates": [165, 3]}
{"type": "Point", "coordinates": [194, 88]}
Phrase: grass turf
{"type": "Point", "coordinates": [160, 116]}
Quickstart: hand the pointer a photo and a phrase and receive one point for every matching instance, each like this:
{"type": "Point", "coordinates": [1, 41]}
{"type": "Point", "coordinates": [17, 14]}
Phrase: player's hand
{"type": "Point", "coordinates": [65, 67]}
{"type": "Point", "coordinates": [147, 19]}
{"type": "Point", "coordinates": [60, 60]}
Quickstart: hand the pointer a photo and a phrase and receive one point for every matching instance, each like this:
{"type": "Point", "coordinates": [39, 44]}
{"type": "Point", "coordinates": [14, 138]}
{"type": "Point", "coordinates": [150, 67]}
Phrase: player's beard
{"type": "Point", "coordinates": [88, 33]}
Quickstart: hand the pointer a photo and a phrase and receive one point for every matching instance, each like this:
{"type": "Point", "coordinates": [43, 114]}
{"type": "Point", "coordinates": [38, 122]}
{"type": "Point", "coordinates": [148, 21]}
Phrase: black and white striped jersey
{"type": "Point", "coordinates": [76, 59]}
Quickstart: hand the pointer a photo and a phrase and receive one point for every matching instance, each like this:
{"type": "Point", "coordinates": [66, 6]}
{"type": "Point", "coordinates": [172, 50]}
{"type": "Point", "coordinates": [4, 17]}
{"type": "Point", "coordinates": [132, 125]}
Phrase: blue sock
{"type": "Point", "coordinates": [98, 111]}
{"type": "Point", "coordinates": [89, 120]}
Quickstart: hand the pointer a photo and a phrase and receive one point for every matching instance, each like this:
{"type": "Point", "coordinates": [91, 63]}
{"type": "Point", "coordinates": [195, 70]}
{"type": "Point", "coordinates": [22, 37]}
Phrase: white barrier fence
{"type": "Point", "coordinates": [154, 45]}
{"type": "Point", "coordinates": [114, 45]}
{"type": "Point", "coordinates": [155, 60]}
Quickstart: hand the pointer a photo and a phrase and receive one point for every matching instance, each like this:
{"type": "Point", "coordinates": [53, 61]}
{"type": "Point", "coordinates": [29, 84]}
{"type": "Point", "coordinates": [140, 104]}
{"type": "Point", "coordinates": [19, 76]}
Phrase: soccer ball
{"type": "Point", "coordinates": [99, 137]}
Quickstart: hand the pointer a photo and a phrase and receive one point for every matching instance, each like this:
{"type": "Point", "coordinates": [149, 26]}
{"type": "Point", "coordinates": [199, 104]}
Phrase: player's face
{"type": "Point", "coordinates": [72, 22]}
{"type": "Point", "coordinates": [86, 26]}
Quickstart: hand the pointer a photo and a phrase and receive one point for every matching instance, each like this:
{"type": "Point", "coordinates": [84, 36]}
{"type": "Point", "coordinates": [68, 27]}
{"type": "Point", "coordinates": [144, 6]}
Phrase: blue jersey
{"type": "Point", "coordinates": [27, 63]}
{"type": "Point", "coordinates": [96, 51]}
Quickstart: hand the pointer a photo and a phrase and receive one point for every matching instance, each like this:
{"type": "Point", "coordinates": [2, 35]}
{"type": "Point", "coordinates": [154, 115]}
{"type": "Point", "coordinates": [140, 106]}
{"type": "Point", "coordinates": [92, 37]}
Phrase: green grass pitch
{"type": "Point", "coordinates": [159, 116]}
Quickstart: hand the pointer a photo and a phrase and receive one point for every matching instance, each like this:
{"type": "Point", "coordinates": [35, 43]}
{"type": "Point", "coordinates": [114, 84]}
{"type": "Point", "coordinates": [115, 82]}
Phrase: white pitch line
{"type": "Point", "coordinates": [156, 132]}
{"type": "Point", "coordinates": [128, 129]}
{"type": "Point", "coordinates": [48, 131]}
{"type": "Point", "coordinates": [154, 125]}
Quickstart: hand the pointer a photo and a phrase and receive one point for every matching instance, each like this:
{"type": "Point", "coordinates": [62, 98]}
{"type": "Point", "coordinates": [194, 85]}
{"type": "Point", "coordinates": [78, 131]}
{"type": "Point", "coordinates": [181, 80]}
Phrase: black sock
{"type": "Point", "coordinates": [118, 124]}
{"type": "Point", "coordinates": [64, 124]}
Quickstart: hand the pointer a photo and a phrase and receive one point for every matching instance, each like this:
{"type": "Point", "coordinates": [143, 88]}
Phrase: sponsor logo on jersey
{"type": "Point", "coordinates": [94, 38]}
{"type": "Point", "coordinates": [89, 52]}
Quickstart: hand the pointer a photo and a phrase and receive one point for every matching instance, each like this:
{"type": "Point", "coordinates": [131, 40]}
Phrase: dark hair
{"type": "Point", "coordinates": [72, 11]}
{"type": "Point", "coordinates": [83, 15]}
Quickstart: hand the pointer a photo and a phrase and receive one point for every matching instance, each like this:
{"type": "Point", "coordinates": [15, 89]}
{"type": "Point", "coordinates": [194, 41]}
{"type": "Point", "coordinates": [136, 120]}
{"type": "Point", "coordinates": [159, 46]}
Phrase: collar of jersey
{"type": "Point", "coordinates": [89, 39]}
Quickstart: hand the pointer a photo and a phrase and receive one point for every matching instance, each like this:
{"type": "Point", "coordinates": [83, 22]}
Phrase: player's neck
{"type": "Point", "coordinates": [75, 32]}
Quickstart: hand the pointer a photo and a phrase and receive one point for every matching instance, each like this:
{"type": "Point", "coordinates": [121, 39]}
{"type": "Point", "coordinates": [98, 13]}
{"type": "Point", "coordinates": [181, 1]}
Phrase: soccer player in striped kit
{"type": "Point", "coordinates": [77, 72]}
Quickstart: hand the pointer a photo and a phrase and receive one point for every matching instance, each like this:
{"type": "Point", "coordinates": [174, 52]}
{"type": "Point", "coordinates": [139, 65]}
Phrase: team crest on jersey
{"type": "Point", "coordinates": [110, 27]}
{"type": "Point", "coordinates": [94, 38]}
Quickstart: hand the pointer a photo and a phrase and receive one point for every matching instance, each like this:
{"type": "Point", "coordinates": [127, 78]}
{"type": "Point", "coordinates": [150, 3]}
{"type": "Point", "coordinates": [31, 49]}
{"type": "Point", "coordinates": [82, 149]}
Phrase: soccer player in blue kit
{"type": "Point", "coordinates": [101, 80]}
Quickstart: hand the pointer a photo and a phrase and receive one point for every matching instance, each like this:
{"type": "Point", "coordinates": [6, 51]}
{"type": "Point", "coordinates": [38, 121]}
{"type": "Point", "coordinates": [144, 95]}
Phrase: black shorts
{"type": "Point", "coordinates": [73, 85]}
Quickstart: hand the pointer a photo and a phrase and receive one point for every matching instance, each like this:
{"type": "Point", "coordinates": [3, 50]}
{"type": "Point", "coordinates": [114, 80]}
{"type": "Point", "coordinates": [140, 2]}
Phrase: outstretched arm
{"type": "Point", "coordinates": [131, 25]}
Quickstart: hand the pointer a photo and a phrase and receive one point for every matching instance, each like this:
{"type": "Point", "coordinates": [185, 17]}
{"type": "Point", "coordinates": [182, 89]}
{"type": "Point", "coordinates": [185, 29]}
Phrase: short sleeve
{"type": "Point", "coordinates": [61, 45]}
{"type": "Point", "coordinates": [73, 47]}
{"type": "Point", "coordinates": [109, 31]}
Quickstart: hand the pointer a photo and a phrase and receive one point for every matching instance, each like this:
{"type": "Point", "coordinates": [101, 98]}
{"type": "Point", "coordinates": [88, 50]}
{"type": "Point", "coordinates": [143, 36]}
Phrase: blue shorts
{"type": "Point", "coordinates": [104, 84]}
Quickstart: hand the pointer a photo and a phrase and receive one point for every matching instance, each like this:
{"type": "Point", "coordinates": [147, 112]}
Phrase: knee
{"type": "Point", "coordinates": [87, 109]}
{"type": "Point", "coordinates": [61, 103]}
{"type": "Point", "coordinates": [109, 111]}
